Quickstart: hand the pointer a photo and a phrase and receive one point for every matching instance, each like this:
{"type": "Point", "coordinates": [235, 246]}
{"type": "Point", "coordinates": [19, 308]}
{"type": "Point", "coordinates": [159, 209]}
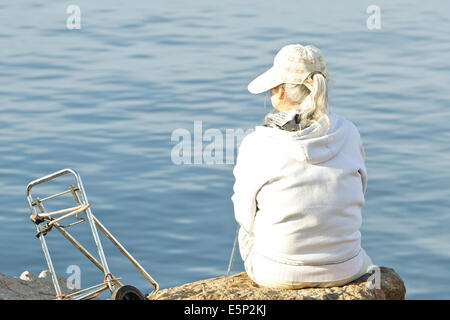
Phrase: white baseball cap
{"type": "Point", "coordinates": [294, 63]}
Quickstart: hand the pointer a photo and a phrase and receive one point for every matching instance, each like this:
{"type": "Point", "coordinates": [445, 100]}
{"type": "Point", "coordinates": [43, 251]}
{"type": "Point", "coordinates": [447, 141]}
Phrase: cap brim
{"type": "Point", "coordinates": [264, 82]}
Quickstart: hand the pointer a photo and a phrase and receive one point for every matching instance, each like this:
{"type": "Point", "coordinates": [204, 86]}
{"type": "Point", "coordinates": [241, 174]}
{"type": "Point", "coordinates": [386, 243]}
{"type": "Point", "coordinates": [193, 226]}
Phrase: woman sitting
{"type": "Point", "coordinates": [300, 182]}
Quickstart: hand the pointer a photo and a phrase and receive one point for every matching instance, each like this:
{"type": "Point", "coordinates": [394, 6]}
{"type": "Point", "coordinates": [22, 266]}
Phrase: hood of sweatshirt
{"type": "Point", "coordinates": [313, 144]}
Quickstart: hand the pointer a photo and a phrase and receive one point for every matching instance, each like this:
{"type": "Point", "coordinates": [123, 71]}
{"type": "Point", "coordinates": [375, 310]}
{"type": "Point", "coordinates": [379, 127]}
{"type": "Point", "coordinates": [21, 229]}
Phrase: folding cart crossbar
{"type": "Point", "coordinates": [46, 221]}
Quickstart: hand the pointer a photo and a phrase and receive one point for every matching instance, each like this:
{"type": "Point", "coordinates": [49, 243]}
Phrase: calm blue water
{"type": "Point", "coordinates": [105, 100]}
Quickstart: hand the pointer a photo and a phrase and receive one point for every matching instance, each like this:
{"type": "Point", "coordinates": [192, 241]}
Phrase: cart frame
{"type": "Point", "coordinates": [39, 216]}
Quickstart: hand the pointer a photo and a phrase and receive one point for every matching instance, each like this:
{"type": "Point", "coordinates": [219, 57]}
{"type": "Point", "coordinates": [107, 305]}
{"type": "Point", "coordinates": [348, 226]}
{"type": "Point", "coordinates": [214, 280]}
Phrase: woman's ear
{"type": "Point", "coordinates": [282, 92]}
{"type": "Point", "coordinates": [277, 91]}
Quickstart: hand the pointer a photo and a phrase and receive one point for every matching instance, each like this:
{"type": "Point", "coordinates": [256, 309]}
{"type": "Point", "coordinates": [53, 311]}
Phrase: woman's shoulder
{"type": "Point", "coordinates": [343, 121]}
{"type": "Point", "coordinates": [259, 143]}
{"type": "Point", "coordinates": [250, 140]}
{"type": "Point", "coordinates": [262, 136]}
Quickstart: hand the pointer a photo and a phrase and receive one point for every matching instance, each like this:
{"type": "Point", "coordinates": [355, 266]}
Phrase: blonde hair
{"type": "Point", "coordinates": [312, 105]}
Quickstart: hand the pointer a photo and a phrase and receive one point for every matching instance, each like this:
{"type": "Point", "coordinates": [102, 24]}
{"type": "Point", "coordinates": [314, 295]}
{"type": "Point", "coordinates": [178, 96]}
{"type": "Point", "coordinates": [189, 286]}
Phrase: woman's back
{"type": "Point", "coordinates": [310, 194]}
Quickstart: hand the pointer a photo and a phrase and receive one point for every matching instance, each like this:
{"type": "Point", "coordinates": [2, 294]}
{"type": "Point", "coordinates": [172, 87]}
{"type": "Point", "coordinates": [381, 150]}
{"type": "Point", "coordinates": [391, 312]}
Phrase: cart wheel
{"type": "Point", "coordinates": [127, 293]}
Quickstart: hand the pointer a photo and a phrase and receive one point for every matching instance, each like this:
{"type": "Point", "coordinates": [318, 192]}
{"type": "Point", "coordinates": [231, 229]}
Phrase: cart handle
{"type": "Point", "coordinates": [52, 176]}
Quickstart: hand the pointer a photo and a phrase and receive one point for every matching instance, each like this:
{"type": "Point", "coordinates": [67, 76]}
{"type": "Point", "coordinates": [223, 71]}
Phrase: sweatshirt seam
{"type": "Point", "coordinates": [303, 264]}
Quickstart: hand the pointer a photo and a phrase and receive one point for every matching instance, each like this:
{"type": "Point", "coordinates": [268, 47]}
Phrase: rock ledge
{"type": "Point", "coordinates": [30, 286]}
{"type": "Point", "coordinates": [235, 287]}
{"type": "Point", "coordinates": [241, 287]}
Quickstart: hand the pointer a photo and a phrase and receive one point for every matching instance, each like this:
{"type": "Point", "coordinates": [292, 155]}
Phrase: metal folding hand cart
{"type": "Point", "coordinates": [47, 221]}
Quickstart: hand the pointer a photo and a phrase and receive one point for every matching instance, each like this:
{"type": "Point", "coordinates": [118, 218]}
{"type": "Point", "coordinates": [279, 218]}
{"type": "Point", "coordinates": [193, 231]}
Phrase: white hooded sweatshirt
{"type": "Point", "coordinates": [298, 198]}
